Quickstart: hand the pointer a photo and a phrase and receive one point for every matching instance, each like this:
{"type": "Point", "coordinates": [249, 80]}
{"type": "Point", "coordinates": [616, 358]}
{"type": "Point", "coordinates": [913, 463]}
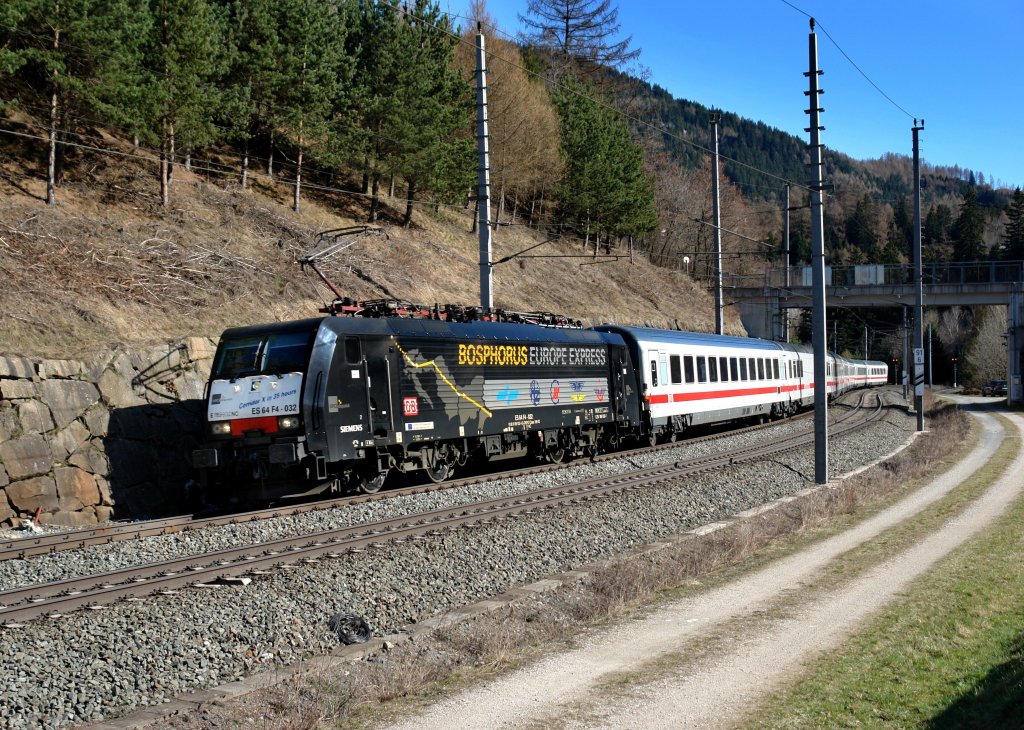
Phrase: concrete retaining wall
{"type": "Point", "coordinates": [84, 441]}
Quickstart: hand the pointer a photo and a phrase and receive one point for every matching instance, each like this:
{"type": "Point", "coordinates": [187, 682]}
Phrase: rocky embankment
{"type": "Point", "coordinates": [84, 441]}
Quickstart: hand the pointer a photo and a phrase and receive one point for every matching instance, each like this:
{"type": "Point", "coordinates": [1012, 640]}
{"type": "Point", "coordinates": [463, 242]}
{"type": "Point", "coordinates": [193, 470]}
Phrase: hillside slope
{"type": "Point", "coordinates": [108, 265]}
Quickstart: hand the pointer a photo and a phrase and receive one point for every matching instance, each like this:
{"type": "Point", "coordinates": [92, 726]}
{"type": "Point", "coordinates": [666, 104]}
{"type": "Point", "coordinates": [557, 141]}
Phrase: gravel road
{"type": "Point", "coordinates": [735, 666]}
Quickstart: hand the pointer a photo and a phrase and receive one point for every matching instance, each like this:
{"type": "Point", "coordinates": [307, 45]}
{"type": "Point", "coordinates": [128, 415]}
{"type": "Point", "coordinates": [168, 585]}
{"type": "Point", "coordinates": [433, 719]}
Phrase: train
{"type": "Point", "coordinates": [340, 402]}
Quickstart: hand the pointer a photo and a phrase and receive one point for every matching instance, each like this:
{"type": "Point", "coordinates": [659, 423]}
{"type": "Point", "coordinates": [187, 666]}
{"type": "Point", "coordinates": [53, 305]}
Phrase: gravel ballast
{"type": "Point", "coordinates": [96, 664]}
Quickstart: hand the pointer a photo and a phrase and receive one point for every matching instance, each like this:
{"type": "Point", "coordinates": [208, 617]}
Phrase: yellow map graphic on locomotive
{"type": "Point", "coordinates": [432, 383]}
{"type": "Point", "coordinates": [443, 386]}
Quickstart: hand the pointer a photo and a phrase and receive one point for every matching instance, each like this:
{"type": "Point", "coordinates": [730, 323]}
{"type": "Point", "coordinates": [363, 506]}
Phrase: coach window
{"type": "Point", "coordinates": [743, 368]}
{"type": "Point", "coordinates": [760, 368]}
{"type": "Point", "coordinates": [753, 368]}
{"type": "Point", "coordinates": [677, 372]}
{"type": "Point", "coordinates": [775, 368]}
{"type": "Point", "coordinates": [734, 369]}
{"type": "Point", "coordinates": [654, 373]}
{"type": "Point", "coordinates": [688, 368]}
{"type": "Point", "coordinates": [713, 368]}
{"type": "Point", "coordinates": [723, 368]}
{"type": "Point", "coordinates": [702, 369]}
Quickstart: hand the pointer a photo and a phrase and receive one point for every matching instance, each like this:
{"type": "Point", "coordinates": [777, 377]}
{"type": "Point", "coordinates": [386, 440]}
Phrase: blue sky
{"type": "Point", "coordinates": [958, 64]}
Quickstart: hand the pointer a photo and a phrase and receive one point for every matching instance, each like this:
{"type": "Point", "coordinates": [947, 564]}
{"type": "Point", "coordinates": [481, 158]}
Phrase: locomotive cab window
{"type": "Point", "coordinates": [273, 354]}
{"type": "Point", "coordinates": [353, 350]}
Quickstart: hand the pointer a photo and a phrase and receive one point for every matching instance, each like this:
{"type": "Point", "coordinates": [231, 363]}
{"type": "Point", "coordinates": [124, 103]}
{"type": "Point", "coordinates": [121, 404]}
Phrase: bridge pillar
{"type": "Point", "coordinates": [1015, 346]}
{"type": "Point", "coordinates": [759, 316]}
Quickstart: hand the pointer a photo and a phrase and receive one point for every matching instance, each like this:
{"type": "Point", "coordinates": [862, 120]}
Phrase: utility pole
{"type": "Point", "coordinates": [716, 213]}
{"type": "Point", "coordinates": [483, 188]}
{"type": "Point", "coordinates": [819, 329]}
{"type": "Point", "coordinates": [785, 265]}
{"type": "Point", "coordinates": [905, 333]}
{"type": "Point", "coordinates": [918, 287]}
{"type": "Point", "coordinates": [929, 355]}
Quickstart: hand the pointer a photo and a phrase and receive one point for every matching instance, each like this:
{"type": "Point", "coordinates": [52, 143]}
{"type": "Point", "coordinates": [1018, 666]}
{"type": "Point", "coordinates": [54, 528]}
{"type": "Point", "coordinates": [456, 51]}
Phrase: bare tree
{"type": "Point", "coordinates": [523, 124]}
{"type": "Point", "coordinates": [578, 31]}
{"type": "Point", "coordinates": [985, 358]}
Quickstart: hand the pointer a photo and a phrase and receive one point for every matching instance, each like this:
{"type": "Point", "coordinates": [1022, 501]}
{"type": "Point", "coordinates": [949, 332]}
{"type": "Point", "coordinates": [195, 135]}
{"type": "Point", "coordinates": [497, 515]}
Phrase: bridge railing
{"type": "Point", "coordinates": [950, 273]}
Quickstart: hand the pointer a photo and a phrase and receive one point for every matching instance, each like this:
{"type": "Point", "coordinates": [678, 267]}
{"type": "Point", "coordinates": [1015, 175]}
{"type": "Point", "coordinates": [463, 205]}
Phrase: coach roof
{"type": "Point", "coordinates": [640, 335]}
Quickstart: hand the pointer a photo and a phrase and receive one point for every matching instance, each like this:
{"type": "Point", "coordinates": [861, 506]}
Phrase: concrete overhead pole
{"type": "Point", "coordinates": [819, 330]}
{"type": "Point", "coordinates": [716, 213]}
{"type": "Point", "coordinates": [918, 288]}
{"type": "Point", "coordinates": [785, 265]}
{"type": "Point", "coordinates": [483, 188]}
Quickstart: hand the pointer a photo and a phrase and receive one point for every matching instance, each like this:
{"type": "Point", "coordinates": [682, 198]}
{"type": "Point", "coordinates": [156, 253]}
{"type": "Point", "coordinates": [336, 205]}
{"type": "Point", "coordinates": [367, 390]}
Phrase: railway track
{"type": "Point", "coordinates": [60, 597]}
{"type": "Point", "coordinates": [45, 543]}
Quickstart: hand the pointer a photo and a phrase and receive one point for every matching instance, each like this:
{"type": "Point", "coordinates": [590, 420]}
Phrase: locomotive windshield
{"type": "Point", "coordinates": [273, 354]}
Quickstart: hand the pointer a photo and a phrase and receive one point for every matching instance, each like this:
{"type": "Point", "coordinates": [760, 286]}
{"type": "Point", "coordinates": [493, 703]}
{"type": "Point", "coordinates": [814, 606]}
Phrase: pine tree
{"type": "Point", "coordinates": [416, 109]}
{"type": "Point", "coordinates": [1013, 237]}
{"type": "Point", "coordinates": [186, 54]}
{"type": "Point", "coordinates": [80, 55]}
{"type": "Point", "coordinates": [254, 80]}
{"type": "Point", "coordinates": [969, 229]}
{"type": "Point", "coordinates": [437, 106]}
{"type": "Point", "coordinates": [936, 233]}
{"type": "Point", "coordinates": [605, 189]}
{"type": "Point", "coordinates": [316, 78]}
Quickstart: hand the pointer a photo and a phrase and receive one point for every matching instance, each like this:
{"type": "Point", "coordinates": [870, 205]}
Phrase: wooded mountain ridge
{"type": "Point", "coordinates": [365, 111]}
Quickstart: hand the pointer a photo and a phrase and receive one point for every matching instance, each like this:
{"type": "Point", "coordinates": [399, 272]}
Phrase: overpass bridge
{"type": "Point", "coordinates": [763, 300]}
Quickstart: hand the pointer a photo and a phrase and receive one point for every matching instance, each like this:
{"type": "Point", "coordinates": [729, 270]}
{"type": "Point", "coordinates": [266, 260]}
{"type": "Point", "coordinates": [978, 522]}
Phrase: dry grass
{"type": "Point", "coordinates": [482, 646]}
{"type": "Point", "coordinates": [108, 264]}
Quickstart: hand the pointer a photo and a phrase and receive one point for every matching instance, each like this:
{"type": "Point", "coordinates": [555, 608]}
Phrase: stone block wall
{"type": "Point", "coordinates": [85, 441]}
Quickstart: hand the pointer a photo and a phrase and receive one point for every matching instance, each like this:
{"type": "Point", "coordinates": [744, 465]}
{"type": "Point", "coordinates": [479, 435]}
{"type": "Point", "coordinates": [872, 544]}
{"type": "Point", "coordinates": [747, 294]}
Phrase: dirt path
{"type": "Point", "coordinates": [668, 687]}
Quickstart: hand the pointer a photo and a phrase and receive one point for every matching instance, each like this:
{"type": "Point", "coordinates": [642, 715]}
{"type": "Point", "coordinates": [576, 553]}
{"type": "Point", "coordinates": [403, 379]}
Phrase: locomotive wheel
{"type": "Point", "coordinates": [372, 485]}
{"type": "Point", "coordinates": [556, 456]}
{"type": "Point", "coordinates": [438, 472]}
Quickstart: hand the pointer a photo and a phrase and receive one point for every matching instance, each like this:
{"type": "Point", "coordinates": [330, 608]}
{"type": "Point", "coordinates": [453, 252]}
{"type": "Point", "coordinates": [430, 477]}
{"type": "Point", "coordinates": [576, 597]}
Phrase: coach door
{"type": "Point", "coordinates": [623, 383]}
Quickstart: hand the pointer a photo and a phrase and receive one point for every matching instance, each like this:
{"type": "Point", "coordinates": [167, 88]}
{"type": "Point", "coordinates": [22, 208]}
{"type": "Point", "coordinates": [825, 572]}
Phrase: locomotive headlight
{"type": "Point", "coordinates": [220, 428]}
{"type": "Point", "coordinates": [287, 423]}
